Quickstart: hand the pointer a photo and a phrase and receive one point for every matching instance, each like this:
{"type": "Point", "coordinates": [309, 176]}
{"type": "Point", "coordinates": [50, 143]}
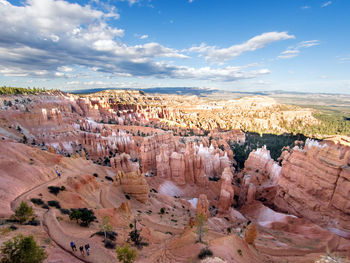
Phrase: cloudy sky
{"type": "Point", "coordinates": [250, 45]}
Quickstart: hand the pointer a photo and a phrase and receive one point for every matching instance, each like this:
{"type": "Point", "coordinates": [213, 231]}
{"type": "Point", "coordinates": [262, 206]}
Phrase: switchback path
{"type": "Point", "coordinates": [58, 235]}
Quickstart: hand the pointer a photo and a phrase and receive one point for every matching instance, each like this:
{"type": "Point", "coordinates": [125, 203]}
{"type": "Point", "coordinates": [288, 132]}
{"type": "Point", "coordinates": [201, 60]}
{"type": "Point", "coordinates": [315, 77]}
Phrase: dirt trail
{"type": "Point", "coordinates": [15, 203]}
{"type": "Point", "coordinates": [56, 233]}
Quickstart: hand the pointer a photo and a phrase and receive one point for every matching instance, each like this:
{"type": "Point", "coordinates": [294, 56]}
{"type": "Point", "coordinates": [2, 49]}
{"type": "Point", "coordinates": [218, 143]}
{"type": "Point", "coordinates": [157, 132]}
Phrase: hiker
{"type": "Point", "coordinates": [58, 173]}
{"type": "Point", "coordinates": [81, 248]}
{"type": "Point", "coordinates": [87, 248]}
{"type": "Point", "coordinates": [73, 246]}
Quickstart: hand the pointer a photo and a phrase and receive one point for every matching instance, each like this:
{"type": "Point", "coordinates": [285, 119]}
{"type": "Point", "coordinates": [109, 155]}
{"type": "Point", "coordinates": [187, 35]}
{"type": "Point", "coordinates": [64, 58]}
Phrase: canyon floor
{"type": "Point", "coordinates": [159, 161]}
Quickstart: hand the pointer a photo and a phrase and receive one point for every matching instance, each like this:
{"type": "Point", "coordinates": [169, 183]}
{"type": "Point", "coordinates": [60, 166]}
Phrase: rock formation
{"type": "Point", "coordinates": [191, 165]}
{"type": "Point", "coordinates": [226, 192]}
{"type": "Point", "coordinates": [262, 167]}
{"type": "Point", "coordinates": [123, 163]}
{"type": "Point", "coordinates": [250, 234]}
{"type": "Point", "coordinates": [315, 184]}
{"type": "Point", "coordinates": [203, 206]}
{"type": "Point", "coordinates": [260, 177]}
{"type": "Point", "coordinates": [134, 184]}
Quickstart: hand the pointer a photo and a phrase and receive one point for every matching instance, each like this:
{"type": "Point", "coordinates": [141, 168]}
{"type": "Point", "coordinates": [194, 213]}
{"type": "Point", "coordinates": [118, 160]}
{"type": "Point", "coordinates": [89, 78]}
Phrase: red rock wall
{"type": "Point", "coordinates": [315, 184]}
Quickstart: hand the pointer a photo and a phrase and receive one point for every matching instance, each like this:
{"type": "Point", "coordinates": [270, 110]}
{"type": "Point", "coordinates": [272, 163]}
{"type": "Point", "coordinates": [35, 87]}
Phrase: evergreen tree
{"type": "Point", "coordinates": [22, 249]}
{"type": "Point", "coordinates": [125, 254]}
{"type": "Point", "coordinates": [24, 212]}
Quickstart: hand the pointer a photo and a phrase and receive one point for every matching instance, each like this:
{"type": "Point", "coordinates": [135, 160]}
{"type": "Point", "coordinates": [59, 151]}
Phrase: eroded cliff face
{"type": "Point", "coordinates": [191, 164]}
{"type": "Point", "coordinates": [259, 178]}
{"type": "Point", "coordinates": [134, 184]}
{"type": "Point", "coordinates": [315, 184]}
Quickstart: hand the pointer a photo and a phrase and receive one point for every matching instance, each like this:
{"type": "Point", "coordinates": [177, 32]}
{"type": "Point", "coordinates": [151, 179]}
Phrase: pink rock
{"type": "Point", "coordinates": [203, 206]}
{"type": "Point", "coordinates": [226, 192]}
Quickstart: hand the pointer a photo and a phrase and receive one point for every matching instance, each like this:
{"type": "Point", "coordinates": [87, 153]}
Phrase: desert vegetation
{"type": "Point", "coordinates": [22, 249]}
{"type": "Point", "coordinates": [15, 90]}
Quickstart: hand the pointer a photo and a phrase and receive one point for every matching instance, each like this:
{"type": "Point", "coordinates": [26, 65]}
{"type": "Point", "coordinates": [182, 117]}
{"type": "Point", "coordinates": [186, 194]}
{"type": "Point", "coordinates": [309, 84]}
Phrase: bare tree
{"type": "Point", "coordinates": [105, 226]}
{"type": "Point", "coordinates": [201, 229]}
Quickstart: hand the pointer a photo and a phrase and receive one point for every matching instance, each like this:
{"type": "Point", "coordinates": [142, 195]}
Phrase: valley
{"type": "Point", "coordinates": [168, 165]}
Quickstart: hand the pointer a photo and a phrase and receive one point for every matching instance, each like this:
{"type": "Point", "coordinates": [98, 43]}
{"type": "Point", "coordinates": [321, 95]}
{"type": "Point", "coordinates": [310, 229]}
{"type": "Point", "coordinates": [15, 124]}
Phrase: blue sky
{"type": "Point", "coordinates": [238, 45]}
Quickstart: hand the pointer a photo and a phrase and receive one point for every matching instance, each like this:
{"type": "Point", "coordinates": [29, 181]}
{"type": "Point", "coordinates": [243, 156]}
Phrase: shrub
{"type": "Point", "coordinates": [127, 197]}
{"type": "Point", "coordinates": [24, 212]}
{"type": "Point", "coordinates": [86, 216]}
{"type": "Point", "coordinates": [205, 252]}
{"type": "Point", "coordinates": [22, 249]}
{"type": "Point", "coordinates": [13, 227]}
{"type": "Point", "coordinates": [162, 210]}
{"type": "Point", "coordinates": [109, 178]}
{"type": "Point", "coordinates": [45, 206]}
{"type": "Point", "coordinates": [54, 189]}
{"type": "Point", "coordinates": [54, 203]}
{"type": "Point", "coordinates": [37, 201]}
{"type": "Point", "coordinates": [95, 174]}
{"type": "Point", "coordinates": [5, 230]}
{"type": "Point", "coordinates": [109, 244]}
{"type": "Point", "coordinates": [33, 222]}
{"type": "Point", "coordinates": [125, 254]}
{"type": "Point", "coordinates": [64, 211]}
{"type": "Point", "coordinates": [239, 251]}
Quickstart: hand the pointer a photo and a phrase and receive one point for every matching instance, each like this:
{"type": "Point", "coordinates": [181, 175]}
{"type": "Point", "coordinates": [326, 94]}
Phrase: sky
{"type": "Point", "coordinates": [235, 45]}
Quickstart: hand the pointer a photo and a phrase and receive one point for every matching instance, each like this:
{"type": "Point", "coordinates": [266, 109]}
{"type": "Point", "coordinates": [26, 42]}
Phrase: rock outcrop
{"type": "Point", "coordinates": [192, 164]}
{"type": "Point", "coordinates": [226, 192]}
{"type": "Point", "coordinates": [260, 177]}
{"type": "Point", "coordinates": [315, 184]}
{"type": "Point", "coordinates": [123, 163]}
{"type": "Point", "coordinates": [262, 167]}
{"type": "Point", "coordinates": [134, 184]}
{"type": "Point", "coordinates": [150, 148]}
{"type": "Point", "coordinates": [203, 206]}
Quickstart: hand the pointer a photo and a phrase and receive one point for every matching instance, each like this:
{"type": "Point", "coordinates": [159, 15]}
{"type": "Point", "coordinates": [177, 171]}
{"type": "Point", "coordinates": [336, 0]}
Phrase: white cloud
{"type": "Point", "coordinates": [309, 43]}
{"type": "Point", "coordinates": [326, 4]}
{"type": "Point", "coordinates": [190, 1]}
{"type": "Point", "coordinates": [11, 72]}
{"type": "Point", "coordinates": [95, 83]}
{"type": "Point", "coordinates": [59, 74]}
{"type": "Point", "coordinates": [202, 48]}
{"type": "Point", "coordinates": [73, 82]}
{"type": "Point", "coordinates": [48, 38]}
{"type": "Point", "coordinates": [143, 36]}
{"type": "Point", "coordinates": [131, 2]}
{"type": "Point", "coordinates": [220, 74]}
{"type": "Point", "coordinates": [294, 51]}
{"type": "Point", "coordinates": [221, 55]}
{"type": "Point", "coordinates": [35, 32]}
{"type": "Point", "coordinates": [65, 69]}
{"type": "Point", "coordinates": [345, 59]}
{"type": "Point", "coordinates": [305, 7]}
{"type": "Point", "coordinates": [289, 53]}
